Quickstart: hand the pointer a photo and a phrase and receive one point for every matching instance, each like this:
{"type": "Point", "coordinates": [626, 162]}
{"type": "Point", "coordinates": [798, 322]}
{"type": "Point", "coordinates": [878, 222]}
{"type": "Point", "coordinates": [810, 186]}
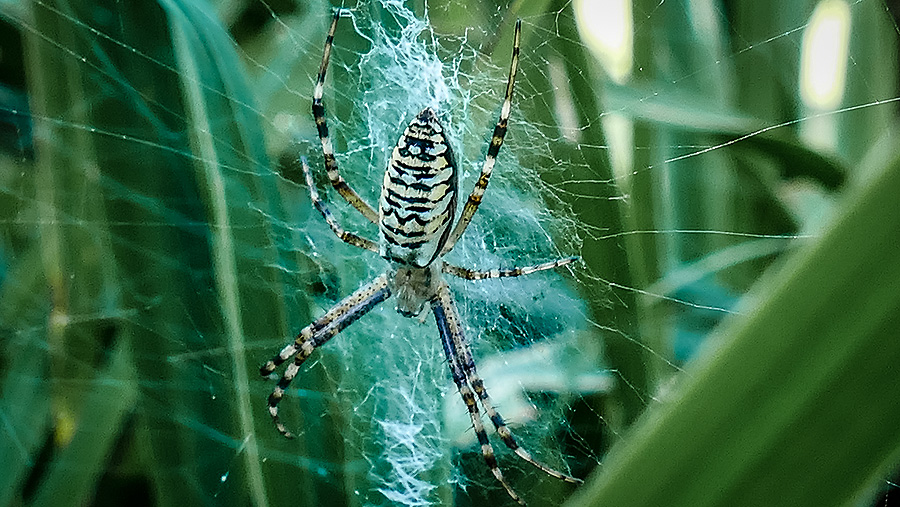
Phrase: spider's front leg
{"type": "Point", "coordinates": [448, 325]}
{"type": "Point", "coordinates": [466, 377]}
{"type": "Point", "coordinates": [323, 329]}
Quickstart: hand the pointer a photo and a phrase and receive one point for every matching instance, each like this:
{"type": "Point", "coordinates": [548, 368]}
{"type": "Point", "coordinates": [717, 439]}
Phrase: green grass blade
{"type": "Point", "coordinates": [140, 214]}
{"type": "Point", "coordinates": [72, 476]}
{"type": "Point", "coordinates": [794, 402]}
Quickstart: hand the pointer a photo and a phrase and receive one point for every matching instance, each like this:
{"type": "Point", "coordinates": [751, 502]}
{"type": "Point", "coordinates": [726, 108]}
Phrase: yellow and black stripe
{"type": "Point", "coordinates": [418, 196]}
{"type": "Point", "coordinates": [415, 217]}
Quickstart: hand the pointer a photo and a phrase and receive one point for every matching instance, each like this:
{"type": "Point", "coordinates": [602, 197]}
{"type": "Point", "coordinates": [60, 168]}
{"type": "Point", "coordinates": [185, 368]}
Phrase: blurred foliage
{"type": "Point", "coordinates": [726, 207]}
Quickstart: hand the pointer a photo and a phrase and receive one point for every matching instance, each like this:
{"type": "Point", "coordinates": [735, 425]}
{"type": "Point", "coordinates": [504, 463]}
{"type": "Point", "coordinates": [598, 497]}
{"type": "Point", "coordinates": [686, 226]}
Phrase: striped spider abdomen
{"type": "Point", "coordinates": [418, 197]}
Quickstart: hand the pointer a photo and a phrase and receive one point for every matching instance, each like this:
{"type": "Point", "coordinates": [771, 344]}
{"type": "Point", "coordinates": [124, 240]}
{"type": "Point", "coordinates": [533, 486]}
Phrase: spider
{"type": "Point", "coordinates": [415, 218]}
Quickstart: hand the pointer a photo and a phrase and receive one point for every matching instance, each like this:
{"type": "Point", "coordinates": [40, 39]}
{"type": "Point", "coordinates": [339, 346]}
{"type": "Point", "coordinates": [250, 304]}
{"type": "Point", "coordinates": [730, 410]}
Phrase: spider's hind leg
{"type": "Point", "coordinates": [487, 167]}
{"type": "Point", "coordinates": [346, 237]}
{"type": "Point", "coordinates": [318, 110]}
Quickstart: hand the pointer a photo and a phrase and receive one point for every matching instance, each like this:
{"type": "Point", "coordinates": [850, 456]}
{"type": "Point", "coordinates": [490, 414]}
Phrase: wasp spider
{"type": "Point", "coordinates": [415, 218]}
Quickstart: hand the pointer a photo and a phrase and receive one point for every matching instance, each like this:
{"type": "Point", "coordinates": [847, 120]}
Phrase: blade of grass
{"type": "Point", "coordinates": [794, 402]}
{"type": "Point", "coordinates": [73, 474]}
{"type": "Point", "coordinates": [171, 174]}
{"type": "Point", "coordinates": [24, 404]}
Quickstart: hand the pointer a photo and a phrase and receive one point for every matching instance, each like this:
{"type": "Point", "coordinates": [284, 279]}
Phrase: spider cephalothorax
{"type": "Point", "coordinates": [414, 287]}
{"type": "Point", "coordinates": [415, 218]}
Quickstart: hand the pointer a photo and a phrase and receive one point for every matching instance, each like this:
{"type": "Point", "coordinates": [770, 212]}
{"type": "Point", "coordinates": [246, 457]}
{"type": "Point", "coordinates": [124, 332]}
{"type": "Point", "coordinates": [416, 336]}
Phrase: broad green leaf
{"type": "Point", "coordinates": [793, 403]}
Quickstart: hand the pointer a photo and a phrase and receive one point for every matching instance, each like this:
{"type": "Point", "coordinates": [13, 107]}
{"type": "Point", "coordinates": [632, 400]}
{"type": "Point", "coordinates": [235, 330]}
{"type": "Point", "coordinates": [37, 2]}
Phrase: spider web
{"type": "Point", "coordinates": [159, 243]}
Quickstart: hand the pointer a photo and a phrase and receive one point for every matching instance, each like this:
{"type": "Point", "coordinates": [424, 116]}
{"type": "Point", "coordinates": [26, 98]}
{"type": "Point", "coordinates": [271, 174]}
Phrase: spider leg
{"type": "Point", "coordinates": [320, 331]}
{"type": "Point", "coordinates": [471, 274]}
{"type": "Point", "coordinates": [346, 237]}
{"type": "Point", "coordinates": [448, 326]}
{"type": "Point", "coordinates": [477, 194]}
{"type": "Point", "coordinates": [463, 355]}
{"type": "Point", "coordinates": [318, 110]}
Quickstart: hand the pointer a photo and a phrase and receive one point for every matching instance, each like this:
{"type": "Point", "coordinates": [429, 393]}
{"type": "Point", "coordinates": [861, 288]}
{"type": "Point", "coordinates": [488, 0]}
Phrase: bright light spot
{"type": "Point", "coordinates": [619, 130]}
{"type": "Point", "coordinates": [66, 427]}
{"type": "Point", "coordinates": [564, 105]}
{"type": "Point", "coordinates": [607, 29]}
{"type": "Point", "coordinates": [823, 65]}
{"type": "Point", "coordinates": [284, 122]}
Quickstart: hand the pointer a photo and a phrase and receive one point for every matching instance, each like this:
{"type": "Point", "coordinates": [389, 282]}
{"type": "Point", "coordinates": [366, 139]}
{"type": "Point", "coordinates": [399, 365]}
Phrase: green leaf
{"type": "Point", "coordinates": [794, 402]}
